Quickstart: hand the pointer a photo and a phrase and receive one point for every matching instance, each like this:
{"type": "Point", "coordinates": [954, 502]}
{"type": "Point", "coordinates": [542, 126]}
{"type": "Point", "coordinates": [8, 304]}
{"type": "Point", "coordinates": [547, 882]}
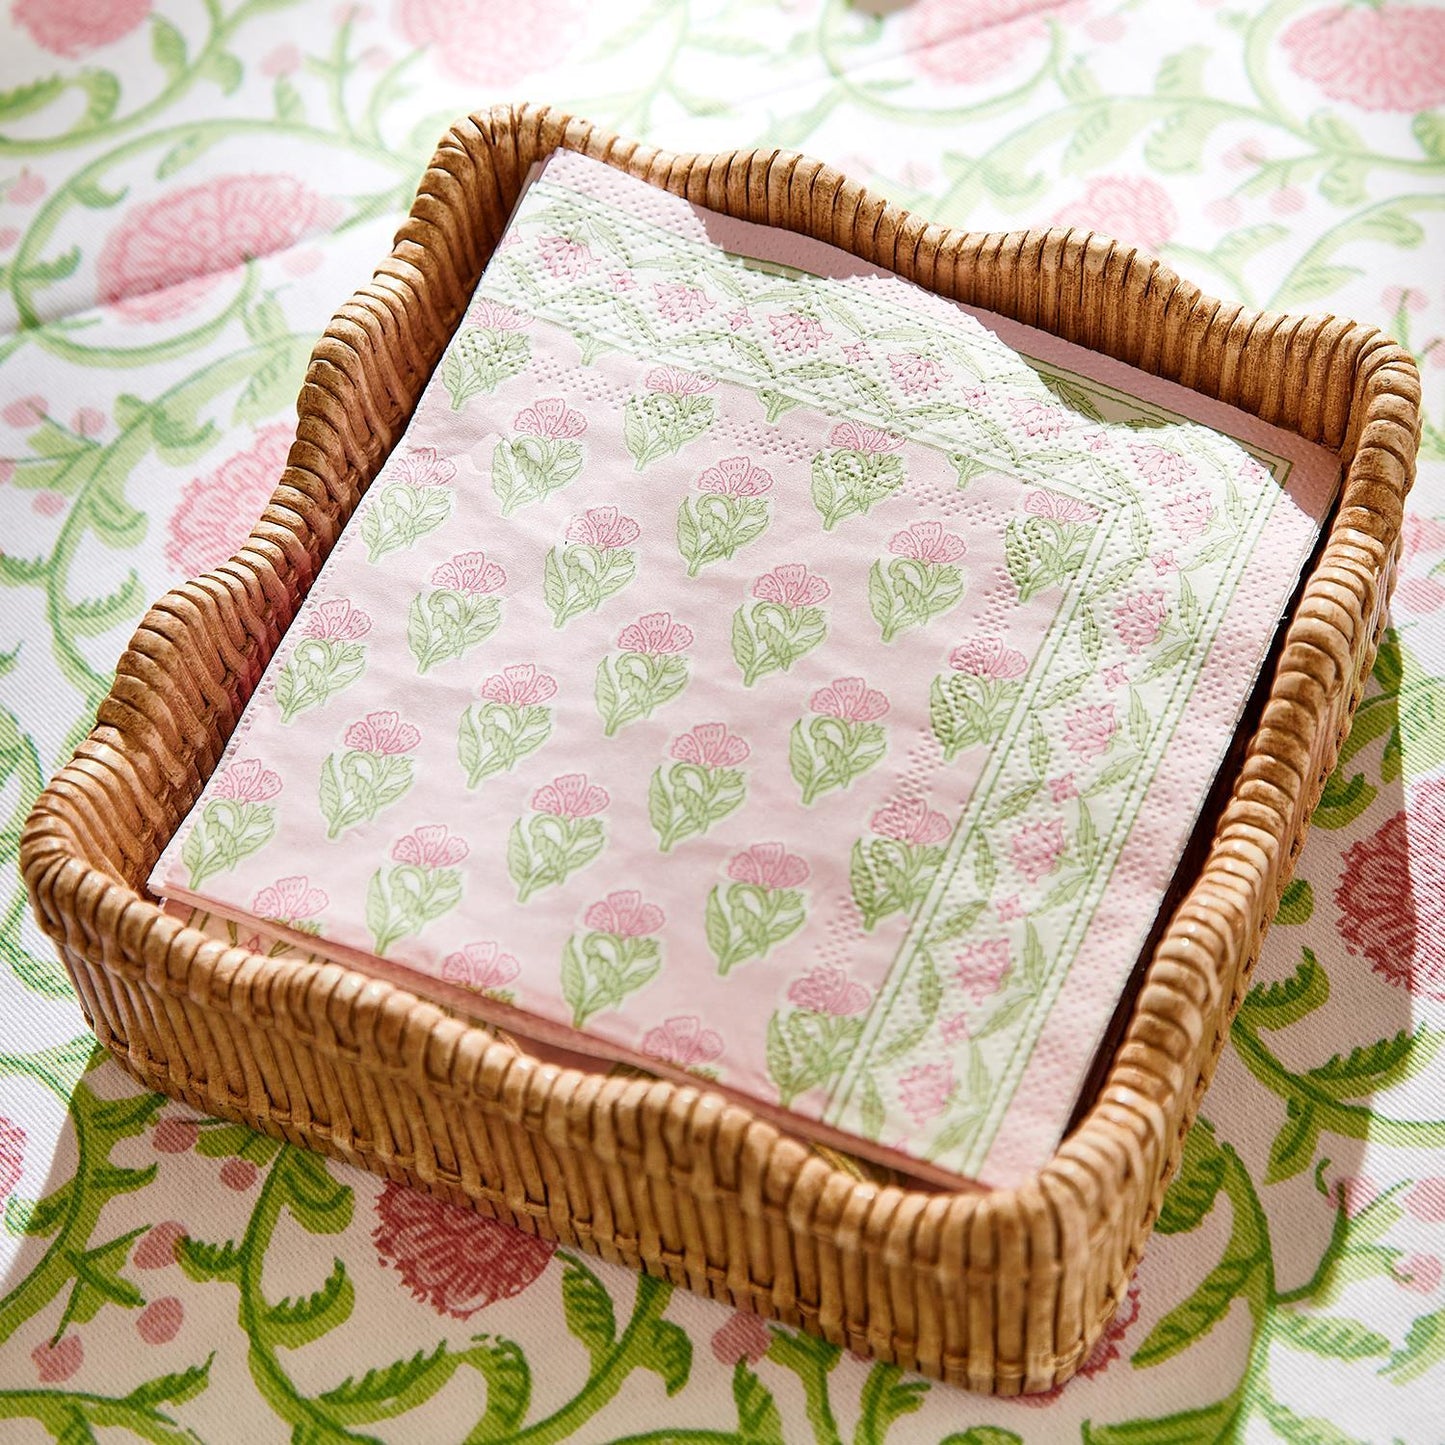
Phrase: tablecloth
{"type": "Point", "coordinates": [187, 192]}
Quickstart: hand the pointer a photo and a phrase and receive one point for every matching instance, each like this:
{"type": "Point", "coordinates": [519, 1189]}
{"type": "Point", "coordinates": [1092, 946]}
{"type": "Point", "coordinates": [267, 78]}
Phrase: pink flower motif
{"type": "Point", "coordinates": [493, 316]}
{"type": "Point", "coordinates": [218, 510]}
{"type": "Point", "coordinates": [430, 846]}
{"type": "Point", "coordinates": [624, 915]}
{"type": "Point", "coordinates": [1391, 895]}
{"type": "Point", "coordinates": [1064, 788]}
{"type": "Point", "coordinates": [710, 745]}
{"type": "Point", "coordinates": [735, 477]}
{"type": "Point", "coordinates": [520, 685]}
{"type": "Point", "coordinates": [383, 733]}
{"type": "Point", "coordinates": [1139, 618]}
{"type": "Point", "coordinates": [1389, 59]}
{"type": "Point", "coordinates": [12, 1154]}
{"type": "Point", "coordinates": [1163, 564]}
{"type": "Point", "coordinates": [26, 411]}
{"type": "Point", "coordinates": [1134, 209]}
{"type": "Point", "coordinates": [479, 967]}
{"type": "Point", "coordinates": [1355, 1194]}
{"type": "Point", "coordinates": [239, 1175]}
{"type": "Point", "coordinates": [160, 1321]}
{"type": "Point", "coordinates": [604, 528]}
{"type": "Point", "coordinates": [849, 699]}
{"type": "Point", "coordinates": [1425, 1201]}
{"type": "Point", "coordinates": [281, 60]}
{"type": "Point", "coordinates": [682, 1041]}
{"type": "Point", "coordinates": [791, 585]}
{"type": "Point", "coordinates": [743, 1337]}
{"type": "Point", "coordinates": [1160, 467]}
{"type": "Point", "coordinates": [1036, 848]}
{"type": "Point", "coordinates": [962, 45]}
{"type": "Point", "coordinates": [622, 280]}
{"type": "Point", "coordinates": [677, 301]}
{"type": "Point", "coordinates": [1190, 515]}
{"type": "Point", "coordinates": [870, 440]}
{"type": "Point", "coordinates": [470, 572]}
{"type": "Point", "coordinates": [248, 781]}
{"type": "Point", "coordinates": [677, 382]}
{"type": "Point", "coordinates": [739, 318]}
{"type": "Point", "coordinates": [1037, 418]}
{"type": "Point", "coordinates": [988, 657]}
{"type": "Point", "coordinates": [855, 353]}
{"type": "Point", "coordinates": [915, 373]}
{"type": "Point", "coordinates": [793, 331]}
{"type": "Point", "coordinates": [1418, 1272]}
{"type": "Point", "coordinates": [1116, 676]}
{"type": "Point", "coordinates": [73, 27]}
{"type": "Point", "coordinates": [768, 865]}
{"type": "Point", "coordinates": [424, 467]}
{"type": "Point", "coordinates": [924, 1089]}
{"type": "Point", "coordinates": [953, 1029]}
{"type": "Point", "coordinates": [552, 418]}
{"type": "Point", "coordinates": [451, 1258]}
{"type": "Point", "coordinates": [158, 1249]}
{"type": "Point", "coordinates": [168, 253]}
{"type": "Point", "coordinates": [927, 542]}
{"type": "Point", "coordinates": [570, 796]}
{"type": "Point", "coordinates": [1009, 908]}
{"type": "Point", "coordinates": [1089, 730]}
{"type": "Point", "coordinates": [910, 820]}
{"type": "Point", "coordinates": [1411, 298]}
{"type": "Point", "coordinates": [288, 900]}
{"type": "Point", "coordinates": [491, 43]}
{"type": "Point", "coordinates": [655, 634]}
{"type": "Point", "coordinates": [57, 1361]}
{"type": "Point", "coordinates": [828, 990]}
{"type": "Point", "coordinates": [981, 968]}
{"type": "Point", "coordinates": [1055, 507]}
{"type": "Point", "coordinates": [336, 620]}
{"type": "Point", "coordinates": [1421, 535]}
{"type": "Point", "coordinates": [87, 421]}
{"type": "Point", "coordinates": [564, 258]}
{"type": "Point", "coordinates": [29, 186]}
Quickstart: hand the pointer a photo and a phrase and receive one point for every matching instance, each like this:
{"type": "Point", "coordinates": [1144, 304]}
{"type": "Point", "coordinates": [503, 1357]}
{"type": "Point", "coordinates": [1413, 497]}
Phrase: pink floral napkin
{"type": "Point", "coordinates": [754, 667]}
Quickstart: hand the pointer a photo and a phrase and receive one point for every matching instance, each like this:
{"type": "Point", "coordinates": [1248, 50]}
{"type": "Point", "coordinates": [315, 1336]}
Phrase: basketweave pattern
{"type": "Point", "coordinates": [1001, 1291]}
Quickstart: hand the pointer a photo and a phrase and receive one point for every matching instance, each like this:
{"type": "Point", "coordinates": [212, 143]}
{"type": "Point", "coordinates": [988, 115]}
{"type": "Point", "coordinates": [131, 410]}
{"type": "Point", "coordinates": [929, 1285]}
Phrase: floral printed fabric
{"type": "Point", "coordinates": [754, 663]}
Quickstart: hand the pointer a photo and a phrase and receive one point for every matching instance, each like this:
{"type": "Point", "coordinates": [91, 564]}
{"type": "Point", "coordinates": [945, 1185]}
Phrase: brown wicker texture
{"type": "Point", "coordinates": [1004, 1291]}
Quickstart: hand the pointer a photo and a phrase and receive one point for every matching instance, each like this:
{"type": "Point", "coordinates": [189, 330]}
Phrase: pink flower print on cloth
{"type": "Point", "coordinates": [921, 581]}
{"type": "Point", "coordinates": [511, 721]}
{"type": "Point", "coordinates": [293, 902]}
{"type": "Point", "coordinates": [565, 259]}
{"type": "Point", "coordinates": [458, 612]}
{"type": "Point", "coordinates": [423, 883]}
{"type": "Point", "coordinates": [700, 787]}
{"type": "Point", "coordinates": [1049, 545]}
{"type": "Point", "coordinates": [971, 703]}
{"type": "Point", "coordinates": [1159, 466]}
{"type": "Point", "coordinates": [1190, 515]}
{"type": "Point", "coordinates": [616, 955]}
{"type": "Point", "coordinates": [1038, 418]}
{"type": "Point", "coordinates": [543, 457]}
{"type": "Point", "coordinates": [1037, 847]}
{"type": "Point", "coordinates": [330, 656]}
{"type": "Point", "coordinates": [684, 1041]}
{"type": "Point", "coordinates": [595, 562]}
{"type": "Point", "coordinates": [238, 819]}
{"type": "Point", "coordinates": [842, 739]}
{"type": "Point", "coordinates": [924, 1090]}
{"type": "Point", "coordinates": [892, 871]}
{"type": "Point", "coordinates": [1382, 59]}
{"type": "Point", "coordinates": [414, 500]}
{"type": "Point", "coordinates": [1089, 730]}
{"type": "Point", "coordinates": [760, 907]}
{"type": "Point", "coordinates": [482, 968]}
{"type": "Point", "coordinates": [809, 1042]}
{"type": "Point", "coordinates": [680, 303]}
{"type": "Point", "coordinates": [782, 625]}
{"type": "Point", "coordinates": [982, 968]}
{"type": "Point", "coordinates": [489, 348]}
{"type": "Point", "coordinates": [1139, 618]}
{"type": "Point", "coordinates": [858, 470]}
{"type": "Point", "coordinates": [562, 834]}
{"type": "Point", "coordinates": [731, 512]}
{"type": "Point", "coordinates": [673, 411]}
{"type": "Point", "coordinates": [373, 771]}
{"type": "Point", "coordinates": [796, 332]}
{"type": "Point", "coordinates": [650, 670]}
{"type": "Point", "coordinates": [915, 374]}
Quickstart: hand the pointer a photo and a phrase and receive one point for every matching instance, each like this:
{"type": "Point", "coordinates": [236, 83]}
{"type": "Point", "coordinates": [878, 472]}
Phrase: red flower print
{"type": "Point", "coordinates": [73, 27]}
{"type": "Point", "coordinates": [624, 915]}
{"type": "Point", "coordinates": [927, 542]}
{"type": "Point", "coordinates": [454, 1260]}
{"type": "Point", "coordinates": [491, 42]}
{"type": "Point", "coordinates": [480, 966]}
{"type": "Point", "coordinates": [430, 846]}
{"type": "Point", "coordinates": [682, 1041]}
{"type": "Point", "coordinates": [239, 1175]}
{"type": "Point", "coordinates": [1377, 58]}
{"type": "Point", "coordinates": [1426, 1200]}
{"type": "Point", "coordinates": [982, 968]}
{"type": "Point", "coordinates": [849, 699]}
{"type": "Point", "coordinates": [1104, 1353]}
{"type": "Point", "coordinates": [1036, 848]}
{"type": "Point", "coordinates": [791, 585]}
{"type": "Point", "coordinates": [1139, 618]}
{"type": "Point", "coordinates": [218, 510]}
{"type": "Point", "coordinates": [336, 620]}
{"type": "Point", "coordinates": [987, 657]}
{"type": "Point", "coordinates": [735, 477]}
{"type": "Point", "coordinates": [564, 258]}
{"type": "Point", "coordinates": [493, 316]}
{"type": "Point", "coordinates": [158, 1249]}
{"type": "Point", "coordinates": [915, 373]}
{"type": "Point", "coordinates": [676, 382]}
{"type": "Point", "coordinates": [924, 1089]}
{"type": "Point", "coordinates": [966, 44]}
{"type": "Point", "coordinates": [12, 1154]}
{"type": "Point", "coordinates": [168, 253]}
{"type": "Point", "coordinates": [519, 686]}
{"type": "Point", "coordinates": [57, 1362]}
{"type": "Point", "coordinates": [1135, 209]}
{"type": "Point", "coordinates": [160, 1321]}
{"type": "Point", "coordinates": [1160, 467]}
{"type": "Point", "coordinates": [604, 528]}
{"type": "Point", "coordinates": [247, 782]}
{"type": "Point", "coordinates": [710, 745]}
{"type": "Point", "coordinates": [570, 796]}
{"type": "Point", "coordinates": [551, 418]}
{"type": "Point", "coordinates": [743, 1337]}
{"type": "Point", "coordinates": [828, 990]}
{"type": "Point", "coordinates": [470, 572]}
{"type": "Point", "coordinates": [910, 820]}
{"type": "Point", "coordinates": [423, 467]}
{"type": "Point", "coordinates": [383, 733]}
{"type": "Point", "coordinates": [768, 865]}
{"type": "Point", "coordinates": [1089, 730]}
{"type": "Point", "coordinates": [655, 634]}
{"type": "Point", "coordinates": [794, 331]}
{"type": "Point", "coordinates": [175, 1136]}
{"type": "Point", "coordinates": [1037, 418]}
{"type": "Point", "coordinates": [1055, 507]}
{"type": "Point", "coordinates": [1418, 1272]}
{"type": "Point", "coordinates": [1190, 515]}
{"type": "Point", "coordinates": [289, 899]}
{"type": "Point", "coordinates": [1391, 895]}
{"type": "Point", "coordinates": [679, 302]}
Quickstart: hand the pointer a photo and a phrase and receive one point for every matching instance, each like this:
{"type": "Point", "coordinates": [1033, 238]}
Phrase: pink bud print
{"type": "Point", "coordinates": [656, 634]}
{"type": "Point", "coordinates": [431, 846]}
{"type": "Point", "coordinates": [682, 1041]}
{"type": "Point", "coordinates": [768, 865]}
{"type": "Point", "coordinates": [710, 745]}
{"type": "Point", "coordinates": [522, 685]}
{"type": "Point", "coordinates": [570, 796]}
{"type": "Point", "coordinates": [624, 915]}
{"type": "Point", "coordinates": [828, 990]}
{"type": "Point", "coordinates": [551, 418]}
{"type": "Point", "coordinates": [849, 699]}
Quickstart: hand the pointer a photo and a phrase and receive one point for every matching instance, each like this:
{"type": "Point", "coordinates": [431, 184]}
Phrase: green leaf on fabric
{"type": "Point", "coordinates": [1294, 1146]}
{"type": "Point", "coordinates": [667, 1352]}
{"type": "Point", "coordinates": [587, 1307]}
{"type": "Point", "coordinates": [1333, 1337]}
{"type": "Point", "coordinates": [1191, 1196]}
{"type": "Point", "coordinates": [1286, 1001]}
{"type": "Point", "coordinates": [758, 1420]}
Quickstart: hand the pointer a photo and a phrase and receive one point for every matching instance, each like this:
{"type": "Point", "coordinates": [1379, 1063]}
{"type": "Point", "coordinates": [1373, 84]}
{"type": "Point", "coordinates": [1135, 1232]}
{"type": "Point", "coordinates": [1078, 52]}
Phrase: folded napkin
{"type": "Point", "coordinates": [754, 667]}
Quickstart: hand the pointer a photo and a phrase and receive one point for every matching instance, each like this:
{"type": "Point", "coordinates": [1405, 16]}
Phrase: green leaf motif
{"type": "Point", "coordinates": [1190, 1321]}
{"type": "Point", "coordinates": [357, 786]}
{"type": "Point", "coordinates": [633, 685]}
{"type": "Point", "coordinates": [226, 832]}
{"type": "Point", "coordinates": [1331, 1336]}
{"type": "Point", "coordinates": [316, 671]}
{"type": "Point", "coordinates": [401, 516]}
{"type": "Point", "coordinates": [493, 737]}
{"type": "Point", "coordinates": [587, 1308]}
{"type": "Point", "coordinates": [1191, 1196]}
{"type": "Point", "coordinates": [1287, 1001]}
{"type": "Point", "coordinates": [544, 850]}
{"type": "Point", "coordinates": [768, 637]}
{"type": "Point", "coordinates": [659, 424]}
{"type": "Point", "coordinates": [910, 593]}
{"type": "Point", "coordinates": [744, 921]}
{"type": "Point", "coordinates": [530, 468]}
{"type": "Point", "coordinates": [758, 1420]}
{"type": "Point", "coordinates": [443, 625]}
{"type": "Point", "coordinates": [965, 711]}
{"type": "Point", "coordinates": [716, 527]}
{"type": "Point", "coordinates": [579, 578]}
{"type": "Point", "coordinates": [296, 1322]}
{"type": "Point", "coordinates": [848, 483]}
{"type": "Point", "coordinates": [687, 799]}
{"type": "Point", "coordinates": [829, 753]}
{"type": "Point", "coordinates": [480, 359]}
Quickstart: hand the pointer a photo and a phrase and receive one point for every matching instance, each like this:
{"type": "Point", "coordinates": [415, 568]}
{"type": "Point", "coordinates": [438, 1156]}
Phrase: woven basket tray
{"type": "Point", "coordinates": [1004, 1291]}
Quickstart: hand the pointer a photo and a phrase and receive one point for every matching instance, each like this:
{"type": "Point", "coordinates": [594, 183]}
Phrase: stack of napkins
{"type": "Point", "coordinates": [753, 667]}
